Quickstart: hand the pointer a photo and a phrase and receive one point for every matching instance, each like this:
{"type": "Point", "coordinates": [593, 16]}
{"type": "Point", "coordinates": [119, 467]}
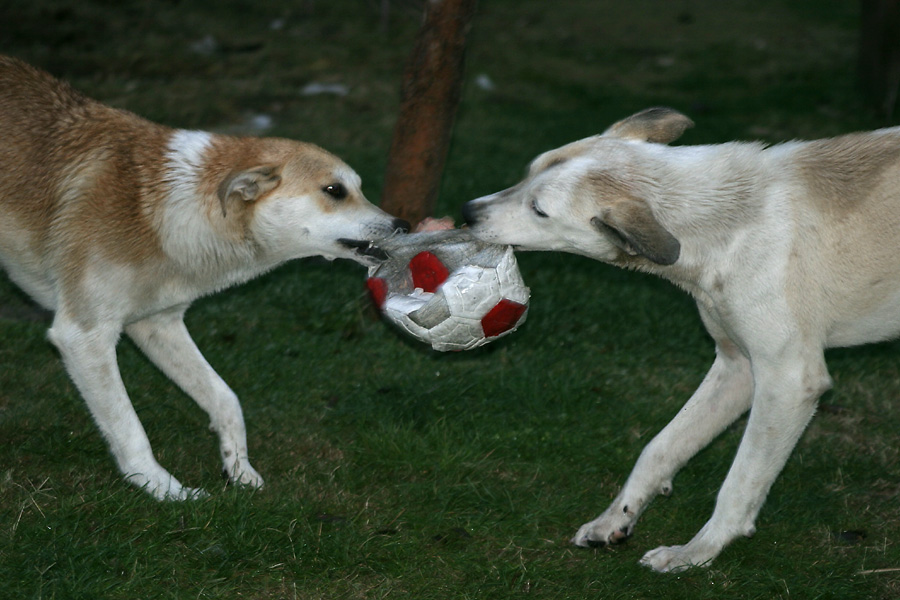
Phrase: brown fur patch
{"type": "Point", "coordinates": [72, 174]}
{"type": "Point", "coordinates": [305, 168]}
{"type": "Point", "coordinates": [629, 216]}
{"type": "Point", "coordinates": [603, 185]}
{"type": "Point", "coordinates": [560, 155]}
{"type": "Point", "coordinates": [841, 172]}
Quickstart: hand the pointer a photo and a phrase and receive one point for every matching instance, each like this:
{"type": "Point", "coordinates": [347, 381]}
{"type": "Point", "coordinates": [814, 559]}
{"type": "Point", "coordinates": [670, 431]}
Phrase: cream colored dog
{"type": "Point", "coordinates": [117, 224]}
{"type": "Point", "coordinates": [788, 250]}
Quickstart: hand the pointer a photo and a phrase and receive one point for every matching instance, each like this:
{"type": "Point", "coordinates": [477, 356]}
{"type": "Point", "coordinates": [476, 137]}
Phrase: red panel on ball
{"type": "Point", "coordinates": [428, 272]}
{"type": "Point", "coordinates": [378, 289]}
{"type": "Point", "coordinates": [502, 317]}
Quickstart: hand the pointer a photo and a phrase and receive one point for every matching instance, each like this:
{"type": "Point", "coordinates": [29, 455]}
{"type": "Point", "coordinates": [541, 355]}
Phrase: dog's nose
{"type": "Point", "coordinates": [468, 214]}
{"type": "Point", "coordinates": [400, 225]}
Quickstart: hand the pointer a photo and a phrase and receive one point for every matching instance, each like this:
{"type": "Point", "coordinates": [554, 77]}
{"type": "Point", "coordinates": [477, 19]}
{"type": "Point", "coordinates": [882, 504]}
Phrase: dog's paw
{"type": "Point", "coordinates": [186, 494]}
{"type": "Point", "coordinates": [241, 473]}
{"type": "Point", "coordinates": [675, 559]}
{"type": "Point", "coordinates": [166, 488]}
{"type": "Point", "coordinates": [612, 527]}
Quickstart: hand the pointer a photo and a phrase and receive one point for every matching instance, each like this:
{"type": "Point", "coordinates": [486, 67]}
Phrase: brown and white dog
{"type": "Point", "coordinates": [117, 224]}
{"type": "Point", "coordinates": [788, 250]}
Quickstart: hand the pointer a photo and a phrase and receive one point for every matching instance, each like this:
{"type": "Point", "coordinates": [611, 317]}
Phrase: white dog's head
{"type": "Point", "coordinates": [588, 197]}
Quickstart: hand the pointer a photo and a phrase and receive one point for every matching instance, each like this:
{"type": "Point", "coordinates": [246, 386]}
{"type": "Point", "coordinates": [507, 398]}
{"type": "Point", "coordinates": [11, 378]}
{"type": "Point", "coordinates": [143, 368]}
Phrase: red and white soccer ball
{"type": "Point", "coordinates": [449, 290]}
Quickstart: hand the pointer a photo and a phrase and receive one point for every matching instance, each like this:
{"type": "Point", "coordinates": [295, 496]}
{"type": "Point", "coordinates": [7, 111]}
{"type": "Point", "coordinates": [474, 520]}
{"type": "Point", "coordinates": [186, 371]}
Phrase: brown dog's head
{"type": "Point", "coordinates": [588, 197]}
{"type": "Point", "coordinates": [294, 200]}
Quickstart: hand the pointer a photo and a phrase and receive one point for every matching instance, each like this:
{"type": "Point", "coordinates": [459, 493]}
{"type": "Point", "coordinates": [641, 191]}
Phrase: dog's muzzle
{"type": "Point", "coordinates": [470, 213]}
{"type": "Point", "coordinates": [364, 248]}
{"type": "Point", "coordinates": [369, 248]}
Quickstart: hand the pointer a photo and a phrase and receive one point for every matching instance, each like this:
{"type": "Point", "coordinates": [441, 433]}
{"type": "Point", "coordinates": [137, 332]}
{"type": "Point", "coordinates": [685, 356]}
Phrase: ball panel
{"type": "Point", "coordinates": [432, 312]}
{"type": "Point", "coordinates": [512, 285]}
{"type": "Point", "coordinates": [378, 289]}
{"type": "Point", "coordinates": [397, 308]}
{"type": "Point", "coordinates": [428, 272]}
{"type": "Point", "coordinates": [471, 291]}
{"type": "Point", "coordinates": [502, 318]}
{"type": "Point", "coordinates": [457, 334]}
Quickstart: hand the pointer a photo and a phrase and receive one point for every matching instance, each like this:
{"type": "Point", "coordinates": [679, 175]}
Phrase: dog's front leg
{"type": "Point", "coordinates": [165, 340]}
{"type": "Point", "coordinates": [722, 397]}
{"type": "Point", "coordinates": [785, 396]}
{"type": "Point", "coordinates": [89, 354]}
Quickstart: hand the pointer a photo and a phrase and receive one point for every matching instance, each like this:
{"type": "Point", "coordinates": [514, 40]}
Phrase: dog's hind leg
{"type": "Point", "coordinates": [787, 388]}
{"type": "Point", "coordinates": [723, 396]}
{"type": "Point", "coordinates": [164, 338]}
{"type": "Point", "coordinates": [89, 354]}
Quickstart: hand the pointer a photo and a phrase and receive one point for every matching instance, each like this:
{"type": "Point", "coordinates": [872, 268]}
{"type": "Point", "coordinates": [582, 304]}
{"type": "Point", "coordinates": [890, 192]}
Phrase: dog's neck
{"type": "Point", "coordinates": [702, 190]}
{"type": "Point", "coordinates": [209, 245]}
{"type": "Point", "coordinates": [705, 196]}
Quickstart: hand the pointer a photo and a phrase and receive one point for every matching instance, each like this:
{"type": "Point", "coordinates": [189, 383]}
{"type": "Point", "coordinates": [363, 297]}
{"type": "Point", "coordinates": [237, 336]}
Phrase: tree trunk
{"type": "Point", "coordinates": [879, 53]}
{"type": "Point", "coordinates": [432, 84]}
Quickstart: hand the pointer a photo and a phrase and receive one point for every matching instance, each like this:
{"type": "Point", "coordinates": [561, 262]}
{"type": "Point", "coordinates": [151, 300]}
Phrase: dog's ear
{"type": "Point", "coordinates": [630, 225]}
{"type": "Point", "coordinates": [248, 185]}
{"type": "Point", "coordinates": [659, 125]}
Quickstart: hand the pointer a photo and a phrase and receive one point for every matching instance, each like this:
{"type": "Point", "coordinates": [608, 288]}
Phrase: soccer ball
{"type": "Point", "coordinates": [447, 289]}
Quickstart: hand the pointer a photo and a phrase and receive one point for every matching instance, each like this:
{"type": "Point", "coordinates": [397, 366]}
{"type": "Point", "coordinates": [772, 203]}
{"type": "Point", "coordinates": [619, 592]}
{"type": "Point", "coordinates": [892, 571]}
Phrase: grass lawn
{"type": "Point", "coordinates": [393, 471]}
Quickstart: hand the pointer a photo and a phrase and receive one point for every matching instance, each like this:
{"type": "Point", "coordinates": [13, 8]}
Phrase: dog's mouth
{"type": "Point", "coordinates": [365, 250]}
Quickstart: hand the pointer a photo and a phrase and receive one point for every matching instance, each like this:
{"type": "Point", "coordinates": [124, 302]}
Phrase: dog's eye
{"type": "Point", "coordinates": [336, 191]}
{"type": "Point", "coordinates": [538, 211]}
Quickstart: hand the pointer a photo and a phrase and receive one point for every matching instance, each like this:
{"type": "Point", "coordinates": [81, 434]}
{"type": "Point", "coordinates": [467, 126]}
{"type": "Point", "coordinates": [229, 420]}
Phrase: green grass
{"type": "Point", "coordinates": [393, 471]}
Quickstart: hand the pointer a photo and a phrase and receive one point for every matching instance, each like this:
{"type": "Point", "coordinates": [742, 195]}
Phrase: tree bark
{"type": "Point", "coordinates": [879, 53]}
{"type": "Point", "coordinates": [432, 84]}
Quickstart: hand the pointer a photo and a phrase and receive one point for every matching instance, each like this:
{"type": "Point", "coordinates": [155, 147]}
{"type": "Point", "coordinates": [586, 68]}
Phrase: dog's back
{"type": "Point", "coordinates": [845, 202]}
{"type": "Point", "coordinates": [63, 157]}
{"type": "Point", "coordinates": [32, 105]}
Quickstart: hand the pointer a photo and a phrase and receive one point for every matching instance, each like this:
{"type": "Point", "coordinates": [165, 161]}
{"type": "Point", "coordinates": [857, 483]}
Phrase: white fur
{"type": "Point", "coordinates": [23, 267]}
{"type": "Point", "coordinates": [787, 250]}
{"type": "Point", "coordinates": [187, 231]}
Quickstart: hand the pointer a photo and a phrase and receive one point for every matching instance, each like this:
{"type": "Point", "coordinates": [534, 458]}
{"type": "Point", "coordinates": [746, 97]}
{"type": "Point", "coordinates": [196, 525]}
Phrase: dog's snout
{"type": "Point", "coordinates": [469, 214]}
{"type": "Point", "coordinates": [400, 225]}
